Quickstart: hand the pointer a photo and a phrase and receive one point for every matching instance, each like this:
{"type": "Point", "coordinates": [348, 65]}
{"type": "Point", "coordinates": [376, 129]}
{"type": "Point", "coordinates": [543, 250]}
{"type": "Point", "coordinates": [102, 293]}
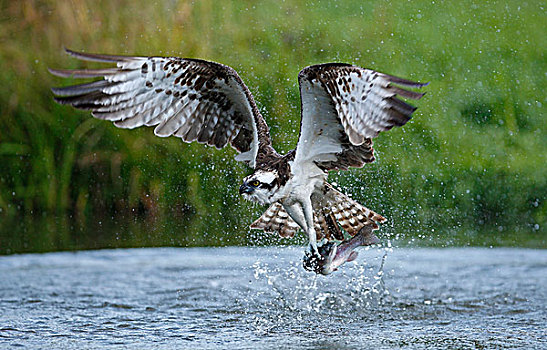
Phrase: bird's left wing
{"type": "Point", "coordinates": [193, 99]}
{"type": "Point", "coordinates": [343, 108]}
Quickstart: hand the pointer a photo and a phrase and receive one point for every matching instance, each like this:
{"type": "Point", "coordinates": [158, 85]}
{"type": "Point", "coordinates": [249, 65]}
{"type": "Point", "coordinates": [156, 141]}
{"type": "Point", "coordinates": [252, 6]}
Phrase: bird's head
{"type": "Point", "coordinates": [260, 186]}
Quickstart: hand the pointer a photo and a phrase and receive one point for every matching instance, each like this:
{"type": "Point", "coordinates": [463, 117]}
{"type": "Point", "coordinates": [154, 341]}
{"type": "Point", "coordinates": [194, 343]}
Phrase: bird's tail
{"type": "Point", "coordinates": [276, 219]}
{"type": "Point", "coordinates": [333, 211]}
{"type": "Point", "coordinates": [348, 213]}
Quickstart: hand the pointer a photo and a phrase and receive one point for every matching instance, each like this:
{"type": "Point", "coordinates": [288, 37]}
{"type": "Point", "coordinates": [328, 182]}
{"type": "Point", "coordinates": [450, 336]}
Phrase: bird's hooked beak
{"type": "Point", "coordinates": [245, 188]}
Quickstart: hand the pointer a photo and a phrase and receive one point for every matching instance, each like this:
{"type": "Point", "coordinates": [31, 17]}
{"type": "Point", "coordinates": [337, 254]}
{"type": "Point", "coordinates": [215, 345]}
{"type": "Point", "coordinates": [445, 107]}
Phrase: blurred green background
{"type": "Point", "coordinates": [469, 168]}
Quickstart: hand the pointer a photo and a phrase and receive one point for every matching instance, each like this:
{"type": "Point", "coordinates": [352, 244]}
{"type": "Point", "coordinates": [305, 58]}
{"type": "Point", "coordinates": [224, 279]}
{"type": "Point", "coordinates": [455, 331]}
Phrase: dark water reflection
{"type": "Point", "coordinates": [261, 298]}
{"type": "Point", "coordinates": [61, 233]}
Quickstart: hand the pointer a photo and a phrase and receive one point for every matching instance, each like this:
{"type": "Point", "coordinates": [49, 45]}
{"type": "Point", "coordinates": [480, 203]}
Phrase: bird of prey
{"type": "Point", "coordinates": [342, 108]}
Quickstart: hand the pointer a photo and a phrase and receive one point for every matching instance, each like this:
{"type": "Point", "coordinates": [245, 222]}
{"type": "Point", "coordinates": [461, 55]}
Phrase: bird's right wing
{"type": "Point", "coordinates": [192, 99]}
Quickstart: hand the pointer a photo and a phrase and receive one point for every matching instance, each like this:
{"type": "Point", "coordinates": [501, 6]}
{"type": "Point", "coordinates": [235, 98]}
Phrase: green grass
{"type": "Point", "coordinates": [468, 169]}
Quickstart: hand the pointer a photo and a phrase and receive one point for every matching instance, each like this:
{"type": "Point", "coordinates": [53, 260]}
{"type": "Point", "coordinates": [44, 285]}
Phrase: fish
{"type": "Point", "coordinates": [333, 255]}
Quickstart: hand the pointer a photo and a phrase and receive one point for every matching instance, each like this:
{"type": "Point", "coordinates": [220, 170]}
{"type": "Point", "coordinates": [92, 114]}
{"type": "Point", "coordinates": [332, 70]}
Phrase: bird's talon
{"type": "Point", "coordinates": [314, 251]}
{"type": "Point", "coordinates": [313, 261]}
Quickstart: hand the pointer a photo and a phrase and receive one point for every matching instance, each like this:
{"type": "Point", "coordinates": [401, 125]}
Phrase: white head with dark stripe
{"type": "Point", "coordinates": [260, 186]}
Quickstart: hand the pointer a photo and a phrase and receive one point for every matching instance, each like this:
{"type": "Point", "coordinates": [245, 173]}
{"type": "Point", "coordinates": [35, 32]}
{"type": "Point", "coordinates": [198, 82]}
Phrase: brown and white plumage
{"type": "Point", "coordinates": [332, 210]}
{"type": "Point", "coordinates": [192, 99]}
{"type": "Point", "coordinates": [343, 108]}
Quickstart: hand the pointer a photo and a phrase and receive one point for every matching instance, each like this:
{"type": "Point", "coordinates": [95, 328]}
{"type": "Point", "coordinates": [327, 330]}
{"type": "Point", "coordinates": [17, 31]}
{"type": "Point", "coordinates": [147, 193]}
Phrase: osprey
{"type": "Point", "coordinates": [343, 107]}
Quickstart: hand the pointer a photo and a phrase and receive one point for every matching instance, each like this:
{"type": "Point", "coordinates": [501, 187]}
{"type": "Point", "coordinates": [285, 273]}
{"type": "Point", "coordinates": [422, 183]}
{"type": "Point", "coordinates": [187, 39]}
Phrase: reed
{"type": "Point", "coordinates": [472, 160]}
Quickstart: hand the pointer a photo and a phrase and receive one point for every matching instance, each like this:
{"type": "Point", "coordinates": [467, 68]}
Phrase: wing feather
{"type": "Point", "coordinates": [343, 108]}
{"type": "Point", "coordinates": [192, 99]}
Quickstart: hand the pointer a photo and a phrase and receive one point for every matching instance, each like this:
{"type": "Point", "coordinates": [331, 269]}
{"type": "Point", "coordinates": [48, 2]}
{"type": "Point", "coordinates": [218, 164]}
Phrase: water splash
{"type": "Point", "coordinates": [290, 295]}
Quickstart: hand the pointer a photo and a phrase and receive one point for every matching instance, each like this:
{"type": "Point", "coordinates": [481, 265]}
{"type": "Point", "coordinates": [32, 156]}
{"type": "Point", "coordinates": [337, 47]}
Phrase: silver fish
{"type": "Point", "coordinates": [334, 255]}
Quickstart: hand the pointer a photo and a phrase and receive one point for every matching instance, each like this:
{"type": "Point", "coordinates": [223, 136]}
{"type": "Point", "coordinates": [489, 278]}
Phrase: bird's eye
{"type": "Point", "coordinates": [255, 183]}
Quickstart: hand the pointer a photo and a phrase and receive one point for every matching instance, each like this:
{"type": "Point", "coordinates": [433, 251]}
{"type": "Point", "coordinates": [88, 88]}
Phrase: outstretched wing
{"type": "Point", "coordinates": [192, 99]}
{"type": "Point", "coordinates": [343, 108]}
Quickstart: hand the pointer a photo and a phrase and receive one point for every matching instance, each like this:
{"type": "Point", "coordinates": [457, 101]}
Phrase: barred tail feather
{"type": "Point", "coordinates": [351, 215]}
{"type": "Point", "coordinates": [333, 211]}
{"type": "Point", "coordinates": [276, 219]}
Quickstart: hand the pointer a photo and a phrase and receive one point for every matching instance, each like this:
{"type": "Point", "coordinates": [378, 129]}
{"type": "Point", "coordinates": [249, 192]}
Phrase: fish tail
{"type": "Point", "coordinates": [367, 236]}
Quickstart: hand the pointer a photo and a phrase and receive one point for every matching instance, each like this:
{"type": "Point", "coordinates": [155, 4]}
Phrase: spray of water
{"type": "Point", "coordinates": [289, 294]}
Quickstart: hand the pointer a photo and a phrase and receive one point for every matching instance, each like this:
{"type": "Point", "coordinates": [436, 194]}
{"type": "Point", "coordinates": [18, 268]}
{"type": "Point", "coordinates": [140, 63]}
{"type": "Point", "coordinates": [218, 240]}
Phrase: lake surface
{"type": "Point", "coordinates": [210, 298]}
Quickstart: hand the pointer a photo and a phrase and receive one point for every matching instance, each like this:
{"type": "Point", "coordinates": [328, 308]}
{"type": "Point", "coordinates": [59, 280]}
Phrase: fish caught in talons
{"type": "Point", "coordinates": [333, 255]}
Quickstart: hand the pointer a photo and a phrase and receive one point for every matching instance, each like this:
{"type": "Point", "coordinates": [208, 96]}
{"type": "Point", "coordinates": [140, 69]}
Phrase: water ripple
{"type": "Point", "coordinates": [261, 297]}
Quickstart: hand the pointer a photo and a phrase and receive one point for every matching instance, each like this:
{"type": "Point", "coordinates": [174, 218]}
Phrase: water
{"type": "Point", "coordinates": [164, 298]}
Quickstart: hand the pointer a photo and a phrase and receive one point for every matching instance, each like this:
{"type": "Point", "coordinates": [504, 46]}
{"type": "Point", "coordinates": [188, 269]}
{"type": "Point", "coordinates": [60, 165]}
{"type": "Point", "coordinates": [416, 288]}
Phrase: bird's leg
{"type": "Point", "coordinates": [296, 212]}
{"type": "Point", "coordinates": [308, 215]}
{"type": "Point", "coordinates": [302, 213]}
